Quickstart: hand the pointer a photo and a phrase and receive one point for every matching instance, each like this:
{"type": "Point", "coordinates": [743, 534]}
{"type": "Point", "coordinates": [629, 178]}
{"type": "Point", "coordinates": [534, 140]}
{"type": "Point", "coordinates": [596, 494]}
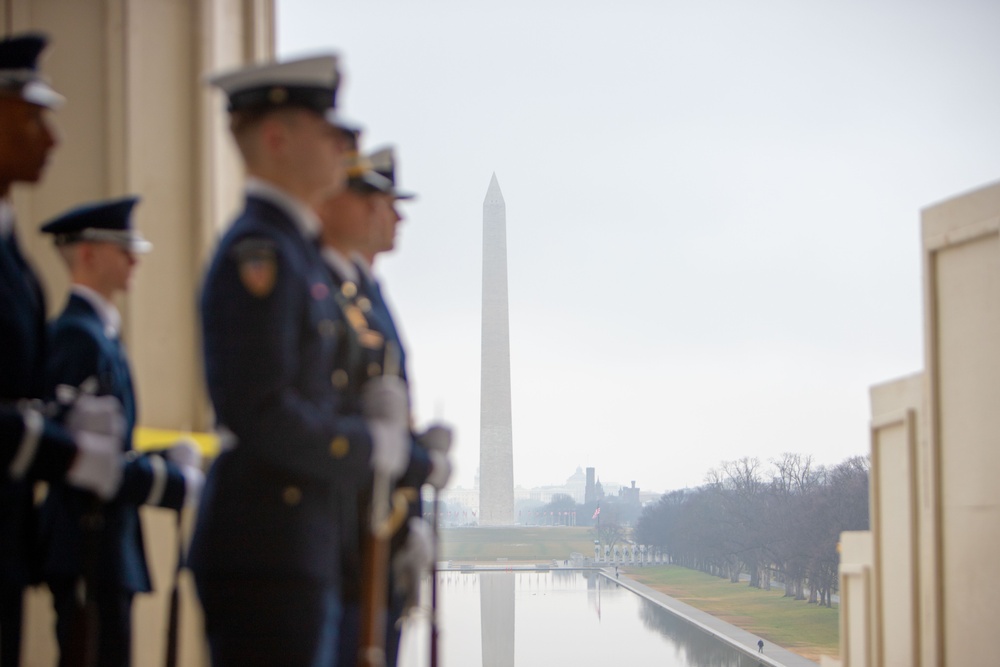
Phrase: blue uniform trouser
{"type": "Point", "coordinates": [10, 625]}
{"type": "Point", "coordinates": [349, 636]}
{"type": "Point", "coordinates": [270, 622]}
{"type": "Point", "coordinates": [114, 625]}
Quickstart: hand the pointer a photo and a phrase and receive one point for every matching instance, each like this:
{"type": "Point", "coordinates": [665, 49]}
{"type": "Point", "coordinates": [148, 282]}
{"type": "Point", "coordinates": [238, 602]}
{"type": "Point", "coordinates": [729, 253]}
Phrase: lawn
{"type": "Point", "coordinates": [539, 543]}
{"type": "Point", "coordinates": [806, 629]}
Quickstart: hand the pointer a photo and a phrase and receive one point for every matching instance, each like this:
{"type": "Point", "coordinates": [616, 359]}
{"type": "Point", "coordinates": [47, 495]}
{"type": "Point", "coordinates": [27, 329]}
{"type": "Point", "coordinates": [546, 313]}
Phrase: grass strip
{"type": "Point", "coordinates": [515, 543]}
{"type": "Point", "coordinates": [806, 629]}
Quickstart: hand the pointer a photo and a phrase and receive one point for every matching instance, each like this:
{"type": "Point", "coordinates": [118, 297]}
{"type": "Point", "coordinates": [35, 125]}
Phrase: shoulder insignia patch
{"type": "Point", "coordinates": [258, 266]}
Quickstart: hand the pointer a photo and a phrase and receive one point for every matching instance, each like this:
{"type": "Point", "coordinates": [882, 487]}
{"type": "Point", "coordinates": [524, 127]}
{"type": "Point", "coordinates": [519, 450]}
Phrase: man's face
{"type": "Point", "coordinates": [26, 138]}
{"type": "Point", "coordinates": [317, 152]}
{"type": "Point", "coordinates": [113, 266]}
{"type": "Point", "coordinates": [345, 220]}
{"type": "Point", "coordinates": [385, 217]}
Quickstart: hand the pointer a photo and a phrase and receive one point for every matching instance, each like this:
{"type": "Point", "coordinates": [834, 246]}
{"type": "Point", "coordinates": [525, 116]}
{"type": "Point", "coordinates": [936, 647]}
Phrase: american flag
{"type": "Point", "coordinates": [596, 512]}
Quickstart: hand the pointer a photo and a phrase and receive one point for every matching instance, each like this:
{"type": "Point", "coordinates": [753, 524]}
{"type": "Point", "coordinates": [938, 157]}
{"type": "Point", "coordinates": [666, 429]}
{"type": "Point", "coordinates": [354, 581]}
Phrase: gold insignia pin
{"type": "Point", "coordinates": [339, 447]}
{"type": "Point", "coordinates": [356, 318]}
{"type": "Point", "coordinates": [371, 340]}
{"type": "Point", "coordinates": [292, 495]}
{"type": "Point", "coordinates": [339, 379]}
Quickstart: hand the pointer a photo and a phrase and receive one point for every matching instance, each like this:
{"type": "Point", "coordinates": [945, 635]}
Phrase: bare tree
{"type": "Point", "coordinates": [609, 529]}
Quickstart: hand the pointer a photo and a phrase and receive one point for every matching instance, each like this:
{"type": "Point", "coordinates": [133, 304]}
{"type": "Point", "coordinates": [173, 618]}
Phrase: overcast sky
{"type": "Point", "coordinates": [713, 210]}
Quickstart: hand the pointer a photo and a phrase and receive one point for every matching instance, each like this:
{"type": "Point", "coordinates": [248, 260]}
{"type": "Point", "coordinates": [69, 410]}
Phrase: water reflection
{"type": "Point", "coordinates": [700, 649]}
{"type": "Point", "coordinates": [558, 617]}
{"type": "Point", "coordinates": [496, 604]}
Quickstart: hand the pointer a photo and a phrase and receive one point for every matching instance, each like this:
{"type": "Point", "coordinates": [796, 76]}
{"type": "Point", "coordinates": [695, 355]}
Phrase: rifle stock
{"type": "Point", "coordinates": [85, 624]}
{"type": "Point", "coordinates": [173, 617]}
{"type": "Point", "coordinates": [375, 574]}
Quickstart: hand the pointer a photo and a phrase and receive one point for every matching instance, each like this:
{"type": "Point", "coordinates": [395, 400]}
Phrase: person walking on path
{"type": "Point", "coordinates": [760, 646]}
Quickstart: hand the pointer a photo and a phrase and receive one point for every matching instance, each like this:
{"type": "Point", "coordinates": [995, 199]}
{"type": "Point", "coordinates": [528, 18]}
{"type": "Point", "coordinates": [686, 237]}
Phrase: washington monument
{"type": "Point", "coordinates": [496, 455]}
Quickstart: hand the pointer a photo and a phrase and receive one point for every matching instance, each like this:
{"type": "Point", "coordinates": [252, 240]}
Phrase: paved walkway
{"type": "Point", "coordinates": [741, 639]}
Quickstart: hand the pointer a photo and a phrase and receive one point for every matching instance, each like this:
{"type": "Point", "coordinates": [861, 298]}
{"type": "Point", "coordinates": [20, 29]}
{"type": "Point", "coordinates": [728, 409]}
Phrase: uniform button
{"type": "Point", "coordinates": [292, 496]}
{"type": "Point", "coordinates": [349, 289]}
{"type": "Point", "coordinates": [339, 379]}
{"type": "Point", "coordinates": [374, 369]}
{"type": "Point", "coordinates": [327, 328]}
{"type": "Point", "coordinates": [339, 447]}
{"type": "Point", "coordinates": [365, 305]}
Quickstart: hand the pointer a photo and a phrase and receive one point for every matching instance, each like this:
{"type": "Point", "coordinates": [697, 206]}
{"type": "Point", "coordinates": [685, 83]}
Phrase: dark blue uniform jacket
{"type": "Point", "coordinates": [274, 504]}
{"type": "Point", "coordinates": [80, 349]}
{"type": "Point", "coordinates": [22, 374]}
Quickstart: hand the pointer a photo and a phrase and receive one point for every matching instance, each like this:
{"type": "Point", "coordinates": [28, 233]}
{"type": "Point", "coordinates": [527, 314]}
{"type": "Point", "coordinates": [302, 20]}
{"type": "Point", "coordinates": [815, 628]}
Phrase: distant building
{"type": "Point", "coordinates": [629, 495]}
{"type": "Point", "coordinates": [576, 485]}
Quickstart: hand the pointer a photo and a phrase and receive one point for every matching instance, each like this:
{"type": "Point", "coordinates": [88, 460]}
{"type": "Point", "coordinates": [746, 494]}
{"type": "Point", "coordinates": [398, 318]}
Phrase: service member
{"type": "Point", "coordinates": [32, 446]}
{"type": "Point", "coordinates": [352, 224]}
{"type": "Point", "coordinates": [266, 548]}
{"type": "Point", "coordinates": [100, 248]}
{"type": "Point", "coordinates": [413, 550]}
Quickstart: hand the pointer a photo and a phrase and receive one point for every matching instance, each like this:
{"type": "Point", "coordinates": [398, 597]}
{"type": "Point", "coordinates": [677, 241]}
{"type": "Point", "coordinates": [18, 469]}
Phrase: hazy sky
{"type": "Point", "coordinates": [712, 210]}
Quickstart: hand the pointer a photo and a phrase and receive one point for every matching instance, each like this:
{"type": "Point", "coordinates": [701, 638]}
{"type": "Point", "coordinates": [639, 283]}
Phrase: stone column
{"type": "Point", "coordinates": [140, 120]}
{"type": "Point", "coordinates": [961, 243]}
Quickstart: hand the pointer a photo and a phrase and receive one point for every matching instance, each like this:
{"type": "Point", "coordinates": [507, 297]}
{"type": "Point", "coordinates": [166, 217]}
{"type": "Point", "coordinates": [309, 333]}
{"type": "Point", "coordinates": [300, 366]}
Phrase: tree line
{"type": "Point", "coordinates": [776, 522]}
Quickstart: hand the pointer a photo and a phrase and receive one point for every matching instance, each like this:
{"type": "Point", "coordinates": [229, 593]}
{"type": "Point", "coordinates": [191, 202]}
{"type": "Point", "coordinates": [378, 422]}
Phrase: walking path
{"type": "Point", "coordinates": [740, 639]}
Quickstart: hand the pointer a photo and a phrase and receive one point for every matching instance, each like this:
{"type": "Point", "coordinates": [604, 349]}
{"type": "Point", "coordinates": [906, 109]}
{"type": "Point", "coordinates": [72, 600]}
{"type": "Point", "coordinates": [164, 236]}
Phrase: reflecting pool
{"type": "Point", "coordinates": [557, 618]}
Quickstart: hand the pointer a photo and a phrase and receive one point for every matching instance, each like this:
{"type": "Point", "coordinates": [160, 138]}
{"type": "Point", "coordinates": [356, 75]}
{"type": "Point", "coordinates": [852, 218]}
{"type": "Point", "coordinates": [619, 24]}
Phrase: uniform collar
{"type": "Point", "coordinates": [343, 266]}
{"type": "Point", "coordinates": [106, 311]}
{"type": "Point", "coordinates": [303, 216]}
{"type": "Point", "coordinates": [364, 267]}
{"type": "Point", "coordinates": [6, 219]}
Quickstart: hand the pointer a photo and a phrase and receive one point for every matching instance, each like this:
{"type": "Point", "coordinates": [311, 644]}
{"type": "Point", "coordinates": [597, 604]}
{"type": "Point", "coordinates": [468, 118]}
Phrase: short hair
{"type": "Point", "coordinates": [244, 123]}
{"type": "Point", "coordinates": [68, 253]}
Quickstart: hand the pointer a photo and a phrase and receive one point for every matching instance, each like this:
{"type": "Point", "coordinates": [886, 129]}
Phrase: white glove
{"type": "Point", "coordinates": [390, 449]}
{"type": "Point", "coordinates": [384, 399]}
{"type": "Point", "coordinates": [384, 406]}
{"type": "Point", "coordinates": [184, 452]}
{"type": "Point", "coordinates": [98, 464]}
{"type": "Point", "coordinates": [437, 438]}
{"type": "Point", "coordinates": [101, 415]}
{"type": "Point", "coordinates": [440, 469]}
{"type": "Point", "coordinates": [415, 558]}
{"type": "Point", "coordinates": [194, 482]}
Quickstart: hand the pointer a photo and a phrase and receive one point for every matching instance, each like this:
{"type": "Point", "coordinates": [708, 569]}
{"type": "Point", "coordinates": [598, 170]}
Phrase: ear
{"type": "Point", "coordinates": [85, 253]}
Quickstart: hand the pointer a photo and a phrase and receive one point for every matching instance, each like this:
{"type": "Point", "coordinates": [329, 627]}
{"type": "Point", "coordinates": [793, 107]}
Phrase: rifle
{"type": "Point", "coordinates": [86, 621]}
{"type": "Point", "coordinates": [375, 550]}
{"type": "Point", "coordinates": [436, 508]}
{"type": "Point", "coordinates": [173, 616]}
{"type": "Point", "coordinates": [434, 586]}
